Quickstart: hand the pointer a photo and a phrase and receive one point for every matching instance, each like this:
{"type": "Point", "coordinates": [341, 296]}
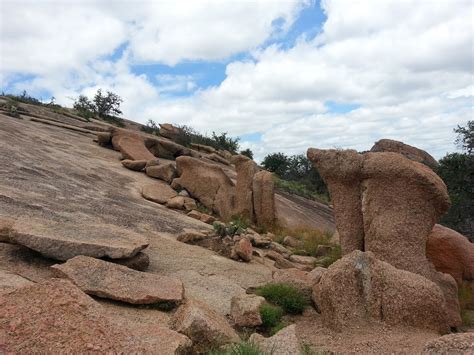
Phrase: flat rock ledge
{"type": "Point", "coordinates": [63, 241]}
{"type": "Point", "coordinates": [108, 280]}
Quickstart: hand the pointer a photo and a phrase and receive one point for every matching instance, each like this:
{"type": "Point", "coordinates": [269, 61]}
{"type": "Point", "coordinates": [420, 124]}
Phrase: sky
{"type": "Point", "coordinates": [281, 75]}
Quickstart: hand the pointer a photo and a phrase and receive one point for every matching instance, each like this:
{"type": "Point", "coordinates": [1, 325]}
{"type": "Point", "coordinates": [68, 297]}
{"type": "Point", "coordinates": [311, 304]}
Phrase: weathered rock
{"type": "Point", "coordinates": [130, 144]}
{"type": "Point", "coordinates": [136, 165]}
{"type": "Point", "coordinates": [207, 218]}
{"type": "Point", "coordinates": [451, 344]}
{"type": "Point", "coordinates": [285, 342]}
{"type": "Point", "coordinates": [139, 262]}
{"type": "Point", "coordinates": [117, 282]}
{"type": "Point", "coordinates": [323, 250]}
{"type": "Point", "coordinates": [280, 249]}
{"type": "Point", "coordinates": [167, 130]}
{"type": "Point", "coordinates": [263, 189]}
{"type": "Point", "coordinates": [408, 151]}
{"type": "Point", "coordinates": [387, 204]}
{"type": "Point", "coordinates": [166, 172]}
{"type": "Point", "coordinates": [165, 341]}
{"type": "Point", "coordinates": [203, 148]}
{"type": "Point", "coordinates": [292, 242]}
{"type": "Point", "coordinates": [158, 192]}
{"type": "Point", "coordinates": [195, 214]}
{"type": "Point", "coordinates": [243, 249]}
{"type": "Point", "coordinates": [152, 162]}
{"type": "Point", "coordinates": [191, 236]}
{"type": "Point", "coordinates": [280, 261]}
{"type": "Point", "coordinates": [246, 169]}
{"type": "Point", "coordinates": [55, 316]}
{"type": "Point", "coordinates": [6, 227]}
{"type": "Point", "coordinates": [245, 310]}
{"type": "Point", "coordinates": [451, 253]}
{"type": "Point", "coordinates": [183, 193]}
{"type": "Point", "coordinates": [217, 158]}
{"type": "Point", "coordinates": [208, 183]}
{"type": "Point", "coordinates": [176, 202]}
{"type": "Point", "coordinates": [206, 328]}
{"type": "Point", "coordinates": [295, 277]}
{"type": "Point", "coordinates": [166, 149]}
{"type": "Point", "coordinates": [104, 138]}
{"type": "Point", "coordinates": [9, 282]}
{"type": "Point", "coordinates": [259, 241]}
{"type": "Point", "coordinates": [301, 259]}
{"type": "Point", "coordinates": [189, 204]}
{"type": "Point", "coordinates": [65, 240]}
{"type": "Point", "coordinates": [359, 288]}
{"type": "Point", "coordinates": [316, 274]}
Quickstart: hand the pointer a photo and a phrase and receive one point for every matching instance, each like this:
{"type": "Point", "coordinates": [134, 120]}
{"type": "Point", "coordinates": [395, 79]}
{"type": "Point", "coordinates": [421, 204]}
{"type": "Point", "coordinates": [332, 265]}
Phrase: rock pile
{"type": "Point", "coordinates": [387, 204]}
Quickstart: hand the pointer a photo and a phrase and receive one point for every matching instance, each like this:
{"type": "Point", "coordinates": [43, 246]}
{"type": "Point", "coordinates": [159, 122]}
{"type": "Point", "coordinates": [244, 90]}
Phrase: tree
{"type": "Point", "coordinates": [247, 152]}
{"type": "Point", "coordinates": [84, 106]}
{"type": "Point", "coordinates": [277, 163]}
{"type": "Point", "coordinates": [224, 142]}
{"type": "Point", "coordinates": [151, 127]}
{"type": "Point", "coordinates": [107, 105]}
{"type": "Point", "coordinates": [465, 137]}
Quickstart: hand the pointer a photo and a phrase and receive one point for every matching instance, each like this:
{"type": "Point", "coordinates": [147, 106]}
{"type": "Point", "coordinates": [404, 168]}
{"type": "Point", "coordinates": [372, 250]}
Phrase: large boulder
{"type": "Point", "coordinates": [158, 192]}
{"type": "Point", "coordinates": [166, 172]}
{"type": "Point", "coordinates": [166, 149]}
{"type": "Point", "coordinates": [263, 189]}
{"type": "Point", "coordinates": [130, 144]}
{"type": "Point", "coordinates": [56, 317]}
{"type": "Point", "coordinates": [285, 342]}
{"type": "Point", "coordinates": [208, 183]}
{"type": "Point", "coordinates": [65, 240]}
{"type": "Point", "coordinates": [408, 151]}
{"type": "Point", "coordinates": [246, 169]}
{"type": "Point", "coordinates": [451, 344]}
{"type": "Point", "coordinates": [387, 204]}
{"type": "Point", "coordinates": [359, 288]}
{"type": "Point", "coordinates": [167, 130]}
{"type": "Point", "coordinates": [206, 328]}
{"type": "Point", "coordinates": [117, 282]}
{"type": "Point", "coordinates": [451, 253]}
{"type": "Point", "coordinates": [245, 310]}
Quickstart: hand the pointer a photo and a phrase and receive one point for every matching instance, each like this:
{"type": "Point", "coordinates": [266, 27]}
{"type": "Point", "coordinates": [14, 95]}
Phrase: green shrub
{"type": "Point", "coordinates": [217, 141]}
{"type": "Point", "coordinates": [284, 295]}
{"type": "Point", "coordinates": [271, 315]}
{"type": "Point", "coordinates": [242, 348]}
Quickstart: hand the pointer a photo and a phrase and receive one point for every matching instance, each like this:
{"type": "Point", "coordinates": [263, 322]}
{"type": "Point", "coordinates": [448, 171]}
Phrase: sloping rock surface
{"type": "Point", "coordinates": [118, 282]}
{"type": "Point", "coordinates": [65, 240]}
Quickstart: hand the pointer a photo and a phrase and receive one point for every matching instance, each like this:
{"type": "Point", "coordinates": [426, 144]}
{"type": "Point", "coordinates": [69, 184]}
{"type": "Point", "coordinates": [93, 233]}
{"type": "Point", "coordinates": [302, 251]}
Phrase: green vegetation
{"type": "Point", "coordinates": [247, 152]}
{"type": "Point", "coordinates": [104, 106]}
{"type": "Point", "coordinates": [25, 98]}
{"type": "Point", "coordinates": [242, 348]}
{"type": "Point", "coordinates": [288, 297]}
{"type": "Point", "coordinates": [296, 175]}
{"type": "Point", "coordinates": [151, 127]}
{"type": "Point", "coordinates": [457, 171]}
{"type": "Point", "coordinates": [271, 316]}
{"type": "Point", "coordinates": [236, 226]}
{"type": "Point", "coordinates": [217, 141]}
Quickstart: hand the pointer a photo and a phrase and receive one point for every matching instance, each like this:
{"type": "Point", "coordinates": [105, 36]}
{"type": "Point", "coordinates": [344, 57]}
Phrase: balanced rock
{"type": "Point", "coordinates": [359, 288]}
{"type": "Point", "coordinates": [136, 165]}
{"type": "Point", "coordinates": [451, 344]}
{"type": "Point", "coordinates": [246, 169]}
{"type": "Point", "coordinates": [206, 328]}
{"type": "Point", "coordinates": [285, 342]}
{"type": "Point", "coordinates": [245, 310]}
{"type": "Point", "coordinates": [65, 240]}
{"type": "Point", "coordinates": [158, 192]}
{"type": "Point", "coordinates": [117, 282]}
{"type": "Point", "coordinates": [451, 253]}
{"type": "Point", "coordinates": [166, 172]}
{"type": "Point", "coordinates": [55, 316]}
{"type": "Point", "coordinates": [208, 183]}
{"type": "Point", "coordinates": [408, 151]}
{"type": "Point", "coordinates": [263, 189]}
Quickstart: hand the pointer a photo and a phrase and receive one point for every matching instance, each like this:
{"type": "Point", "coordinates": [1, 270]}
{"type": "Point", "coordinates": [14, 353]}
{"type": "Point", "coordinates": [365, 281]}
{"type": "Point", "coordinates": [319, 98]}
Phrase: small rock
{"type": "Point", "coordinates": [243, 248]}
{"type": "Point", "coordinates": [118, 282]}
{"type": "Point", "coordinates": [292, 242]}
{"type": "Point", "coordinates": [183, 193]}
{"type": "Point", "coordinates": [206, 328]}
{"type": "Point", "coordinates": [166, 172]}
{"type": "Point", "coordinates": [208, 218]}
{"type": "Point", "coordinates": [285, 342]}
{"type": "Point", "coordinates": [245, 310]}
{"type": "Point", "coordinates": [190, 236]}
{"type": "Point", "coordinates": [6, 227]}
{"type": "Point", "coordinates": [308, 260]}
{"type": "Point", "coordinates": [195, 214]}
{"type": "Point", "coordinates": [189, 204]}
{"type": "Point", "coordinates": [280, 249]}
{"type": "Point", "coordinates": [176, 202]}
{"type": "Point", "coordinates": [158, 192]}
{"type": "Point", "coordinates": [139, 262]}
{"type": "Point", "coordinates": [259, 241]}
{"type": "Point", "coordinates": [280, 261]}
{"type": "Point", "coordinates": [152, 162]}
{"type": "Point", "coordinates": [175, 184]}
{"type": "Point", "coordinates": [136, 165]}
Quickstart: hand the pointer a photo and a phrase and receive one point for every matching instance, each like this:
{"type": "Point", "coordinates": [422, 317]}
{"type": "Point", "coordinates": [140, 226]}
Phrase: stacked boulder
{"type": "Point", "coordinates": [386, 204]}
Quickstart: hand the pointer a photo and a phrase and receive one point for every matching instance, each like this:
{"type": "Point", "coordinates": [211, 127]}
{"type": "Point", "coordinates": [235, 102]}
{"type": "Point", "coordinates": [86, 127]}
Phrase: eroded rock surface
{"type": "Point", "coordinates": [451, 344]}
{"type": "Point", "coordinates": [246, 169]}
{"type": "Point", "coordinates": [104, 279]}
{"type": "Point", "coordinates": [284, 342]}
{"type": "Point", "coordinates": [408, 151]}
{"type": "Point", "coordinates": [10, 281]}
{"type": "Point", "coordinates": [263, 189]}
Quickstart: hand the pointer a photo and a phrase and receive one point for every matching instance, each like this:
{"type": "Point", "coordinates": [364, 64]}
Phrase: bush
{"type": "Point", "coordinates": [247, 152]}
{"type": "Point", "coordinates": [219, 142]}
{"type": "Point", "coordinates": [151, 127]}
{"type": "Point", "coordinates": [25, 98]}
{"type": "Point", "coordinates": [108, 104]}
{"type": "Point", "coordinates": [84, 107]}
{"type": "Point", "coordinates": [271, 315]}
{"type": "Point", "coordinates": [284, 295]}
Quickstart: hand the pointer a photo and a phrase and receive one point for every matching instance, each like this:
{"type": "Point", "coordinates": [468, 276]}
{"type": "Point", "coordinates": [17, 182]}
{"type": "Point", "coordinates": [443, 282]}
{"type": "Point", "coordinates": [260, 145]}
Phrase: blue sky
{"type": "Point", "coordinates": [281, 75]}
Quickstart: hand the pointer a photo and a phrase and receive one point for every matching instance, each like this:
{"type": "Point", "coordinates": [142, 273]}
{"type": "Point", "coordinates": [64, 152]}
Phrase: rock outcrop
{"type": "Point", "coordinates": [208, 183]}
{"type": "Point", "coordinates": [65, 240]}
{"type": "Point", "coordinates": [408, 151]}
{"type": "Point", "coordinates": [246, 169]}
{"type": "Point", "coordinates": [206, 328]}
{"type": "Point", "coordinates": [263, 189]}
{"type": "Point", "coordinates": [117, 282]}
{"type": "Point", "coordinates": [451, 253]}
{"type": "Point", "coordinates": [360, 288]}
{"type": "Point", "coordinates": [387, 204]}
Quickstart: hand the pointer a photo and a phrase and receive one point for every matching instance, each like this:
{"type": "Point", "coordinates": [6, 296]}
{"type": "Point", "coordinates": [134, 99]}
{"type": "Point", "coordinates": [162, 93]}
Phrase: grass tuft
{"type": "Point", "coordinates": [271, 315]}
{"type": "Point", "coordinates": [284, 295]}
{"type": "Point", "coordinates": [242, 348]}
